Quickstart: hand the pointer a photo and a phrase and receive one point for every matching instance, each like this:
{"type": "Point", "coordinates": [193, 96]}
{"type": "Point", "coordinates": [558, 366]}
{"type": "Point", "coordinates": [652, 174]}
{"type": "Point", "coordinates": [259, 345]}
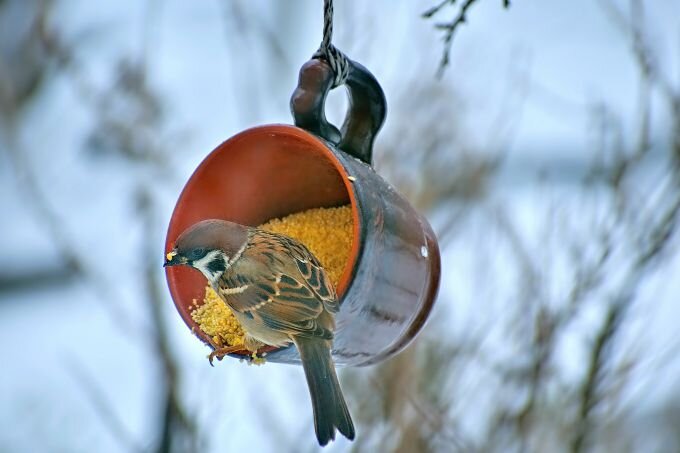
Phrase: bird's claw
{"type": "Point", "coordinates": [221, 352]}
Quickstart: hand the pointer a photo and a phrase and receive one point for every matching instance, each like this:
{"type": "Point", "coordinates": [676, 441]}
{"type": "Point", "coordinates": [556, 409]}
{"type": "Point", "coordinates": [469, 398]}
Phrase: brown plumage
{"type": "Point", "coordinates": [280, 294]}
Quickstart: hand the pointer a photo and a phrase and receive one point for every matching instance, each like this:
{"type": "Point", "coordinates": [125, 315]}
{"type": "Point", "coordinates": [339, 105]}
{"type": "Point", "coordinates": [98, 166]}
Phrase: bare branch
{"type": "Point", "coordinates": [449, 28]}
{"type": "Point", "coordinates": [36, 277]}
{"type": "Point", "coordinates": [435, 9]}
{"type": "Point", "coordinates": [449, 31]}
{"type": "Point", "coordinates": [589, 395]}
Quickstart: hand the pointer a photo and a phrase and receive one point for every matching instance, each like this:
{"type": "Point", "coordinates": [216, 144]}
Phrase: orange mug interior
{"type": "Point", "coordinates": [262, 173]}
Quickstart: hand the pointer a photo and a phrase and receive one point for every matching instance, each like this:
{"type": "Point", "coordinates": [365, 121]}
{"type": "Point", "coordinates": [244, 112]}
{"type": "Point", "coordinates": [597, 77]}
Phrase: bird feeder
{"type": "Point", "coordinates": [391, 279]}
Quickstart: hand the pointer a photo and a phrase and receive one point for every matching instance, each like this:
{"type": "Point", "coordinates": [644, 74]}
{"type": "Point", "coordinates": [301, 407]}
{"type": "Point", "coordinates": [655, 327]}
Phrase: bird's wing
{"type": "Point", "coordinates": [295, 309]}
{"type": "Point", "coordinates": [313, 274]}
{"type": "Point", "coordinates": [283, 285]}
{"type": "Point", "coordinates": [282, 303]}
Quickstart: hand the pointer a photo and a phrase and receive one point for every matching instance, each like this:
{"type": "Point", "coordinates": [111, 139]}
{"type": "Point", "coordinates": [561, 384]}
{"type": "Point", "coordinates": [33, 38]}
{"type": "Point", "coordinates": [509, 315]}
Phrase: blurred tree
{"type": "Point", "coordinates": [547, 355]}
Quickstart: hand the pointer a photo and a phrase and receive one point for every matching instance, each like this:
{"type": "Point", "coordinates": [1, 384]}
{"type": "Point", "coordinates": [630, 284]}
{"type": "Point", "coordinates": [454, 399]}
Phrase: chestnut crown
{"type": "Point", "coordinates": [209, 246]}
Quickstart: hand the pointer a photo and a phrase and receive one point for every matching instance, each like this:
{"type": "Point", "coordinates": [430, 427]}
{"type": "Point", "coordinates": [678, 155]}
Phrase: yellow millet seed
{"type": "Point", "coordinates": [326, 232]}
{"type": "Point", "coordinates": [216, 319]}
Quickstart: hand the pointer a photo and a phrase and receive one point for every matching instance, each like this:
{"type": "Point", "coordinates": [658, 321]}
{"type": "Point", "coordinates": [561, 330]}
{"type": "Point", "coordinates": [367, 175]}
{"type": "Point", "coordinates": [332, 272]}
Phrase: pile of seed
{"type": "Point", "coordinates": [326, 232]}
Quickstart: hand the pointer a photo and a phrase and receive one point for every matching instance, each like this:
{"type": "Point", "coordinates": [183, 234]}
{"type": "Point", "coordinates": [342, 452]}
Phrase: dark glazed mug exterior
{"type": "Point", "coordinates": [391, 280]}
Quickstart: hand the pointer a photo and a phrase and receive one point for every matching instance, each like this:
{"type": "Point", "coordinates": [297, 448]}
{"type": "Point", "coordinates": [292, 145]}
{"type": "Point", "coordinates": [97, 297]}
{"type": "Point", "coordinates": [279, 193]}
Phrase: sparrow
{"type": "Point", "coordinates": [280, 294]}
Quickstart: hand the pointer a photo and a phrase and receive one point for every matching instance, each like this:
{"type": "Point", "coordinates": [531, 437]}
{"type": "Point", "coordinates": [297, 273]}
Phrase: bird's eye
{"type": "Point", "coordinates": [197, 254]}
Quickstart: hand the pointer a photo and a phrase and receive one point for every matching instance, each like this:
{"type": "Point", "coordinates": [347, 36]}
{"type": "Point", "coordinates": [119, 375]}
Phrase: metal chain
{"type": "Point", "coordinates": [327, 51]}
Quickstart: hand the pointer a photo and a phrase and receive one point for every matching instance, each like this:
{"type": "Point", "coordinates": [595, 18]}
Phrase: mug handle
{"type": "Point", "coordinates": [365, 115]}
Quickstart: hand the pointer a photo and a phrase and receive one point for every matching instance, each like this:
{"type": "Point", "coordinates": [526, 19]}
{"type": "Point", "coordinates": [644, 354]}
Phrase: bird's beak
{"type": "Point", "coordinates": [174, 259]}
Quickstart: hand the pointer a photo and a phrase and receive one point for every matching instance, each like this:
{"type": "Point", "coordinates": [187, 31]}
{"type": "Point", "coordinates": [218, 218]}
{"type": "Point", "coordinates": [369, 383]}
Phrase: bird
{"type": "Point", "coordinates": [280, 293]}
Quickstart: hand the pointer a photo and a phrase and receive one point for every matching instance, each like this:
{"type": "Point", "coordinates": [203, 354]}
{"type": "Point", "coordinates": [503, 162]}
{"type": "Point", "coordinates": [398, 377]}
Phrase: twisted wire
{"type": "Point", "coordinates": [337, 60]}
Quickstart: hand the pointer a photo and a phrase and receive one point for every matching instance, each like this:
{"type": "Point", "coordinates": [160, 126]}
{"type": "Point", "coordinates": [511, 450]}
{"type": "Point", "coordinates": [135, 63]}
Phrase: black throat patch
{"type": "Point", "coordinates": [217, 265]}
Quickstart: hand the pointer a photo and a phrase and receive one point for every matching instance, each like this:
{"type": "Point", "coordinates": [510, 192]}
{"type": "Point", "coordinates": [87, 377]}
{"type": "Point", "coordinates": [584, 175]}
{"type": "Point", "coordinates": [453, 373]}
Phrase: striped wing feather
{"type": "Point", "coordinates": [284, 285]}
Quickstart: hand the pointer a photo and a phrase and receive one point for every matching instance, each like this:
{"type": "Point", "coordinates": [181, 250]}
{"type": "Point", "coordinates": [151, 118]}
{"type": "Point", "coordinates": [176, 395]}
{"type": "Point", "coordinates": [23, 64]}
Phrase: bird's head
{"type": "Point", "coordinates": [210, 246]}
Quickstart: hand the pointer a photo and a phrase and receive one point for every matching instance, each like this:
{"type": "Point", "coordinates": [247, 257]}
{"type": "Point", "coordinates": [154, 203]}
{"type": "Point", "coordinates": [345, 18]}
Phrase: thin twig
{"type": "Point", "coordinates": [449, 31]}
{"type": "Point", "coordinates": [449, 28]}
{"type": "Point", "coordinates": [435, 9]}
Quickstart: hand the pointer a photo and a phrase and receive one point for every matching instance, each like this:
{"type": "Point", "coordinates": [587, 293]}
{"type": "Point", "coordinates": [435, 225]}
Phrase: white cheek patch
{"type": "Point", "coordinates": [203, 265]}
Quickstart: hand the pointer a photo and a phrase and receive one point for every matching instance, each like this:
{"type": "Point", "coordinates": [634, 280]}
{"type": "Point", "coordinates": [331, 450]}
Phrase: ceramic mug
{"type": "Point", "coordinates": [390, 282]}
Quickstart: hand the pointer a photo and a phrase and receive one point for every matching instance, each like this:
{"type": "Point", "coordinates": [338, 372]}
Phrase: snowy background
{"type": "Point", "coordinates": [108, 107]}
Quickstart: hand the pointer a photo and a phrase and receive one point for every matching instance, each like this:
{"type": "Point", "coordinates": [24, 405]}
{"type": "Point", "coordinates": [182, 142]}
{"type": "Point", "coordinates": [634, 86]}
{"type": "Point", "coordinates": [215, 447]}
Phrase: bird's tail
{"type": "Point", "coordinates": [330, 409]}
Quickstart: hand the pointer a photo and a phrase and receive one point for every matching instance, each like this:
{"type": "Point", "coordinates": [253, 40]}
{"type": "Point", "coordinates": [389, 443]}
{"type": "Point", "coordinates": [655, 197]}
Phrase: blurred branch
{"type": "Point", "coordinates": [660, 239]}
{"type": "Point", "coordinates": [633, 26]}
{"type": "Point", "coordinates": [244, 28]}
{"type": "Point", "coordinates": [407, 406]}
{"type": "Point", "coordinates": [129, 113]}
{"type": "Point", "coordinates": [236, 14]}
{"type": "Point", "coordinates": [56, 229]}
{"type": "Point", "coordinates": [128, 119]}
{"type": "Point", "coordinates": [515, 396]}
{"type": "Point", "coordinates": [38, 276]}
{"type": "Point", "coordinates": [588, 398]}
{"type": "Point", "coordinates": [658, 223]}
{"type": "Point", "coordinates": [97, 396]}
{"type": "Point", "coordinates": [23, 66]}
{"type": "Point", "coordinates": [450, 177]}
{"type": "Point", "coordinates": [439, 422]}
{"type": "Point", "coordinates": [178, 432]}
{"type": "Point", "coordinates": [640, 232]}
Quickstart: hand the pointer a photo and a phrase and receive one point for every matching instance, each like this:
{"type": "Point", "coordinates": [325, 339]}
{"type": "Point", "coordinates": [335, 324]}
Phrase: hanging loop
{"type": "Point", "coordinates": [365, 115]}
{"type": "Point", "coordinates": [328, 69]}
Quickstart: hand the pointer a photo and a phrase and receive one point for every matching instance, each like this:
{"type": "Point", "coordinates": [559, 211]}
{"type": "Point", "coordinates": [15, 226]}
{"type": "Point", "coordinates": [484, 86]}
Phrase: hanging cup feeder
{"type": "Point", "coordinates": [391, 279]}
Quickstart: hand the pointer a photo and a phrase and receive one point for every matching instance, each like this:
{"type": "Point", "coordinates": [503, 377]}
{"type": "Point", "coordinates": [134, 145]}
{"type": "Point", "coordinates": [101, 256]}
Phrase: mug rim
{"type": "Point", "coordinates": [323, 149]}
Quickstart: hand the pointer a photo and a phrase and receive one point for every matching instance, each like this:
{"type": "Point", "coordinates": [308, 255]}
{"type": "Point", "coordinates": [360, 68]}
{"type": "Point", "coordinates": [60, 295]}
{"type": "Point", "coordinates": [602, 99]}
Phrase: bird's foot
{"type": "Point", "coordinates": [219, 353]}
